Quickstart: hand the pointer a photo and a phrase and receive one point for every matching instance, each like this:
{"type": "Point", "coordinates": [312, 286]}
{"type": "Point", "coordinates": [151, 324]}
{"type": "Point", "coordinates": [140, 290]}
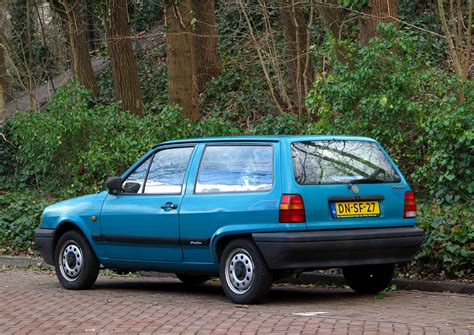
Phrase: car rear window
{"type": "Point", "coordinates": [235, 168]}
{"type": "Point", "coordinates": [341, 161]}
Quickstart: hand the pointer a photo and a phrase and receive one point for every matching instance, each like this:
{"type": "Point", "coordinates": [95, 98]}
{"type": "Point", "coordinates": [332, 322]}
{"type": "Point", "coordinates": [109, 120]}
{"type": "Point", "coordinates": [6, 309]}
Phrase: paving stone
{"type": "Point", "coordinates": [33, 302]}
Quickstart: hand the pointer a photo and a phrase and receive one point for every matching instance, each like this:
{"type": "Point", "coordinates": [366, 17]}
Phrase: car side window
{"type": "Point", "coordinates": [167, 171]}
{"type": "Point", "coordinates": [235, 168]}
{"type": "Point", "coordinates": [136, 180]}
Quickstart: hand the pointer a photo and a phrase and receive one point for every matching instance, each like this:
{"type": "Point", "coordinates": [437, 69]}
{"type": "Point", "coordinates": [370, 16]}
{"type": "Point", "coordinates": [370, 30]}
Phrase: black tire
{"type": "Point", "coordinates": [189, 279]}
{"type": "Point", "coordinates": [369, 279]}
{"type": "Point", "coordinates": [76, 265]}
{"type": "Point", "coordinates": [244, 274]}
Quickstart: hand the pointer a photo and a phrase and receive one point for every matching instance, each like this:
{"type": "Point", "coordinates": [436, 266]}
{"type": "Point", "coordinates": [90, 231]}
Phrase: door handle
{"type": "Point", "coordinates": [169, 205]}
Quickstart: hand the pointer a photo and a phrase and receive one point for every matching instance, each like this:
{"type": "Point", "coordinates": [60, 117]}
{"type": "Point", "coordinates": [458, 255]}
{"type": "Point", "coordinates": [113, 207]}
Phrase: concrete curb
{"type": "Point", "coordinates": [306, 278]}
{"type": "Point", "coordinates": [21, 261]}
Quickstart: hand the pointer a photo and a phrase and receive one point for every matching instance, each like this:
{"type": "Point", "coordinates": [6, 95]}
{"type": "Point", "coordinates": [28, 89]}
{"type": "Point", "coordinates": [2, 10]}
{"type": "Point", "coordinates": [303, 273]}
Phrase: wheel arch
{"type": "Point", "coordinates": [230, 232]}
{"type": "Point", "coordinates": [65, 227]}
{"type": "Point", "coordinates": [224, 240]}
{"type": "Point", "coordinates": [67, 224]}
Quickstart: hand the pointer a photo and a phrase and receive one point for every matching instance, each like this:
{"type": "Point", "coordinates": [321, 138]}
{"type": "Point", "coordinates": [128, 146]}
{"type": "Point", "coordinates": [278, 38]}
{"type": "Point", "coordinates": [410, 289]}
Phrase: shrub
{"type": "Point", "coordinates": [7, 151]}
{"type": "Point", "coordinates": [448, 247]}
{"type": "Point", "coordinates": [214, 125]}
{"type": "Point", "coordinates": [283, 124]}
{"type": "Point", "coordinates": [390, 92]}
{"type": "Point", "coordinates": [75, 144]}
{"type": "Point", "coordinates": [240, 93]}
{"type": "Point", "coordinates": [449, 141]}
{"type": "Point", "coordinates": [19, 217]}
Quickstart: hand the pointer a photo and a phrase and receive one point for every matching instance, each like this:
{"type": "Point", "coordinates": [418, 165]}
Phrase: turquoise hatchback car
{"type": "Point", "coordinates": [250, 210]}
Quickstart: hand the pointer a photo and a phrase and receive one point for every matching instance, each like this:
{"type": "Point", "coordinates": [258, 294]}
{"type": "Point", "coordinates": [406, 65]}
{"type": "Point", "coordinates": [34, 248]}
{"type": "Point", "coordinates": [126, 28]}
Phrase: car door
{"type": "Point", "coordinates": [231, 184]}
{"type": "Point", "coordinates": [142, 222]}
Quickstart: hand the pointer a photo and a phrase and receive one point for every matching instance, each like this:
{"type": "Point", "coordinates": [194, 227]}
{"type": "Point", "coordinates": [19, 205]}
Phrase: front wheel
{"type": "Point", "coordinates": [76, 265]}
{"type": "Point", "coordinates": [369, 279]}
{"type": "Point", "coordinates": [244, 274]}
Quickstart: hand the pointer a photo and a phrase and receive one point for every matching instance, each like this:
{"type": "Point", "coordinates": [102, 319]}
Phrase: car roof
{"type": "Point", "coordinates": [274, 138]}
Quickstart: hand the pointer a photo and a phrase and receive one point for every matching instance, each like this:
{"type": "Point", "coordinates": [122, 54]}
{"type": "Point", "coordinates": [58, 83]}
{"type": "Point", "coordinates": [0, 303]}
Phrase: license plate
{"type": "Point", "coordinates": [350, 209]}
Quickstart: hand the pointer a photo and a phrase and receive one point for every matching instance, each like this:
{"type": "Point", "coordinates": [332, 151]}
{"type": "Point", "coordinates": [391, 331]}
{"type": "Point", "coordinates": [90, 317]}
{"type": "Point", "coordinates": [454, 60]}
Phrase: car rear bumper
{"type": "Point", "coordinates": [44, 239]}
{"type": "Point", "coordinates": [338, 248]}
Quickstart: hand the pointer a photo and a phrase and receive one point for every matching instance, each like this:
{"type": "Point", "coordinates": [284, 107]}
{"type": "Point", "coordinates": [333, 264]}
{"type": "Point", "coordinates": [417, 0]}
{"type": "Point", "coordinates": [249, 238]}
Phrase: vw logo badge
{"type": "Point", "coordinates": [354, 188]}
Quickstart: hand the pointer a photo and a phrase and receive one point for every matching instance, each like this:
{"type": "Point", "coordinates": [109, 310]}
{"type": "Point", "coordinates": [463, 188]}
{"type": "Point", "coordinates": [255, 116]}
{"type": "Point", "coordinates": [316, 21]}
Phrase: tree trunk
{"type": "Point", "coordinates": [300, 66]}
{"type": "Point", "coordinates": [3, 106]}
{"type": "Point", "coordinates": [59, 12]}
{"type": "Point", "coordinates": [81, 60]}
{"type": "Point", "coordinates": [47, 71]}
{"type": "Point", "coordinates": [457, 27]}
{"type": "Point", "coordinates": [90, 24]}
{"type": "Point", "coordinates": [3, 70]}
{"type": "Point", "coordinates": [22, 21]}
{"type": "Point", "coordinates": [183, 88]}
{"type": "Point", "coordinates": [124, 67]}
{"type": "Point", "coordinates": [376, 11]}
{"type": "Point", "coordinates": [205, 42]}
{"type": "Point", "coordinates": [332, 16]}
{"type": "Point", "coordinates": [23, 31]}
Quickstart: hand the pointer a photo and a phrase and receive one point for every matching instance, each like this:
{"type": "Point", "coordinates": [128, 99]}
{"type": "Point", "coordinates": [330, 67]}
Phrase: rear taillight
{"type": "Point", "coordinates": [410, 205]}
{"type": "Point", "coordinates": [291, 208]}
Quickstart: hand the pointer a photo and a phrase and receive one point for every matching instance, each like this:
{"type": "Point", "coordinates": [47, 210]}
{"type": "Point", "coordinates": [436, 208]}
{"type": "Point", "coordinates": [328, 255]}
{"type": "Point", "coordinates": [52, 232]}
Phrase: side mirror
{"type": "Point", "coordinates": [114, 184]}
{"type": "Point", "coordinates": [131, 187]}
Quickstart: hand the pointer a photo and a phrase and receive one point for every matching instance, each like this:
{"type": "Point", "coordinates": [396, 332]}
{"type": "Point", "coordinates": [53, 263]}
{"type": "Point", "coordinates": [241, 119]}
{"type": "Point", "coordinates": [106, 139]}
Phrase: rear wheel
{"type": "Point", "coordinates": [192, 279]}
{"type": "Point", "coordinates": [369, 279]}
{"type": "Point", "coordinates": [244, 274]}
{"type": "Point", "coordinates": [76, 265]}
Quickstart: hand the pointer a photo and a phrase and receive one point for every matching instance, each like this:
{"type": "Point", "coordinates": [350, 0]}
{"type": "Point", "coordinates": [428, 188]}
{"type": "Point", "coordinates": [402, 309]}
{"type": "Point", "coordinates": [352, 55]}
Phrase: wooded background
{"type": "Point", "coordinates": [41, 39]}
{"type": "Point", "coordinates": [87, 86]}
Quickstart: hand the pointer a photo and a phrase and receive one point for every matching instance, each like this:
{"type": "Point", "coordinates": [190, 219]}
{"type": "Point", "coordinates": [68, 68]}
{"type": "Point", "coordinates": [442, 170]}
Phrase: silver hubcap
{"type": "Point", "coordinates": [71, 260]}
{"type": "Point", "coordinates": [239, 271]}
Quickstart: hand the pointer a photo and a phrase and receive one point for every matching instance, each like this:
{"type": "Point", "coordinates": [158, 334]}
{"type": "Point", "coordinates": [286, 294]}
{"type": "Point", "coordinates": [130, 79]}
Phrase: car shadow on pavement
{"type": "Point", "coordinates": [161, 286]}
{"type": "Point", "coordinates": [212, 290]}
{"type": "Point", "coordinates": [301, 295]}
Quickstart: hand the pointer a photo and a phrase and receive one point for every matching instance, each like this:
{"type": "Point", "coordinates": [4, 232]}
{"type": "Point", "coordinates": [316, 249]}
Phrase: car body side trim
{"type": "Point", "coordinates": [135, 239]}
{"type": "Point", "coordinates": [150, 240]}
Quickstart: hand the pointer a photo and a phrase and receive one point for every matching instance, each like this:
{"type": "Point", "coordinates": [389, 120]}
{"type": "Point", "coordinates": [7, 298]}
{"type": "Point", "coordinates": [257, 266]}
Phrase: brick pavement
{"type": "Point", "coordinates": [33, 302]}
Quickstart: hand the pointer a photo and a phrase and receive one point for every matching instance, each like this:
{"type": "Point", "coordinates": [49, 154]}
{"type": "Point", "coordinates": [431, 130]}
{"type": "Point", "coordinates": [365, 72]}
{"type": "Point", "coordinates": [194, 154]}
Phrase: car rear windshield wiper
{"type": "Point", "coordinates": [367, 181]}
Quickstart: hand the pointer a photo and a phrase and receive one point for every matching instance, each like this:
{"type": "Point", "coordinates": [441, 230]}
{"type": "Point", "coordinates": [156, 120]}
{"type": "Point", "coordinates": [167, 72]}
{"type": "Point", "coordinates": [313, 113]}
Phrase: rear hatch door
{"type": "Point", "coordinates": [348, 184]}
